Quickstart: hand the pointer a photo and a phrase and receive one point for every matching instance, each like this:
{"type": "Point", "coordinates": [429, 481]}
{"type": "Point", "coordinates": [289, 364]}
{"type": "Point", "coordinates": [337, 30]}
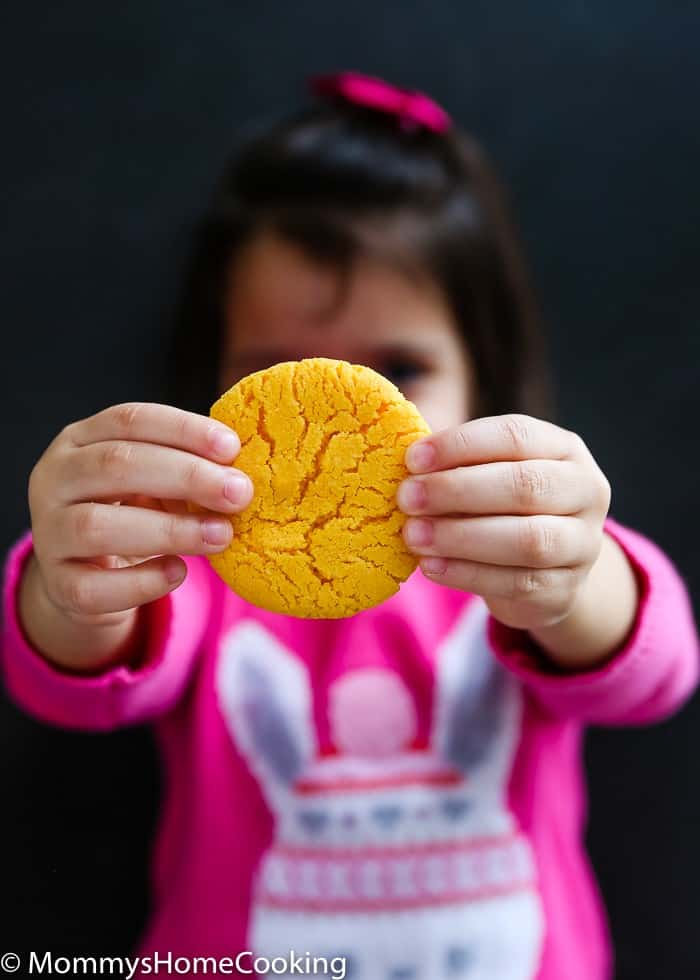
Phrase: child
{"type": "Point", "coordinates": [397, 794]}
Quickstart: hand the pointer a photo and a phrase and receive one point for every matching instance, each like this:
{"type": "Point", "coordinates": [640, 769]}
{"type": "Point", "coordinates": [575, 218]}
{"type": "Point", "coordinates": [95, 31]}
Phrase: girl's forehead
{"type": "Point", "coordinates": [275, 289]}
{"type": "Point", "coordinates": [272, 278]}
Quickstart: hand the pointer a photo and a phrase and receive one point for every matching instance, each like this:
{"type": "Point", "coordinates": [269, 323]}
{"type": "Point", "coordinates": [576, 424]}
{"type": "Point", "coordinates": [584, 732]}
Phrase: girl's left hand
{"type": "Point", "coordinates": [508, 507]}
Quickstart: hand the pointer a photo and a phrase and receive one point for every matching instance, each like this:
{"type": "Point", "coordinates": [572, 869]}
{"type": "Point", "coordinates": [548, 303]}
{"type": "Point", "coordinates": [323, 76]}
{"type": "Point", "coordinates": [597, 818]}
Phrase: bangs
{"type": "Point", "coordinates": [419, 245]}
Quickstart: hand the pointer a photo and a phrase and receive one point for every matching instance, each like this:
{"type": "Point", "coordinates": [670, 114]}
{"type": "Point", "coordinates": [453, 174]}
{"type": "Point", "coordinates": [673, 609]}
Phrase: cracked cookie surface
{"type": "Point", "coordinates": [323, 442]}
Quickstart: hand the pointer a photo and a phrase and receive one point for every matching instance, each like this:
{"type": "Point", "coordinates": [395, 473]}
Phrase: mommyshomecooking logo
{"type": "Point", "coordinates": [245, 962]}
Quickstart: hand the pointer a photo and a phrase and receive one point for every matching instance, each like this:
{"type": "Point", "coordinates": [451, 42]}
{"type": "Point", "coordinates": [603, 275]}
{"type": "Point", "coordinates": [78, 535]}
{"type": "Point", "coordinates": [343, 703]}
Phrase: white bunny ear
{"type": "Point", "coordinates": [265, 698]}
{"type": "Point", "coordinates": [475, 714]}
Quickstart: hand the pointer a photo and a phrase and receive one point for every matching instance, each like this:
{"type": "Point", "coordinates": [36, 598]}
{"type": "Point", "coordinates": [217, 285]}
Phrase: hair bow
{"type": "Point", "coordinates": [413, 109]}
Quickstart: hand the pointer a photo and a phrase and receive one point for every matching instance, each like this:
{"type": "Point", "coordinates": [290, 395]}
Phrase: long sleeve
{"type": "Point", "coordinates": [648, 679]}
{"type": "Point", "coordinates": [173, 629]}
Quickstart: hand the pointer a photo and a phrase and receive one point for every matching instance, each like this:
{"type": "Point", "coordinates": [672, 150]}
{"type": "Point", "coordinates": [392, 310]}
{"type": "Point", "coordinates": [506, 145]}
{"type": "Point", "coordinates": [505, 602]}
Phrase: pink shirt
{"type": "Point", "coordinates": [402, 788]}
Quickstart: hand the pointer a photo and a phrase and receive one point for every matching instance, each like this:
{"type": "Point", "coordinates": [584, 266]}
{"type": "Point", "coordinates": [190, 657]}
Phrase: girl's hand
{"type": "Point", "coordinates": [95, 559]}
{"type": "Point", "coordinates": [511, 508]}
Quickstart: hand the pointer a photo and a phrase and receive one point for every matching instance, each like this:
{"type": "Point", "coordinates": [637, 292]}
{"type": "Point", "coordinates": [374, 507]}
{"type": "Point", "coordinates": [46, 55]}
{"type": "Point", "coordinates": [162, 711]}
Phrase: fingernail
{"type": "Point", "coordinates": [237, 488]}
{"type": "Point", "coordinates": [433, 565]}
{"type": "Point", "coordinates": [418, 533]}
{"type": "Point", "coordinates": [412, 495]}
{"type": "Point", "coordinates": [215, 531]}
{"type": "Point", "coordinates": [174, 571]}
{"type": "Point", "coordinates": [225, 443]}
{"type": "Point", "coordinates": [420, 456]}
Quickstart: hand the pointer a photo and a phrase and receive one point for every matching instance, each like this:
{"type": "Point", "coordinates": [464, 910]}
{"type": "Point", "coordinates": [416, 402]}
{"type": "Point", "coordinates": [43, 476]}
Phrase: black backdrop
{"type": "Point", "coordinates": [116, 119]}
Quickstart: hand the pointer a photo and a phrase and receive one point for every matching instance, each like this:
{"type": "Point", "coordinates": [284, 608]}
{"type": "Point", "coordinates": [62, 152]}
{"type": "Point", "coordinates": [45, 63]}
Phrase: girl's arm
{"type": "Point", "coordinates": [138, 680]}
{"type": "Point", "coordinates": [96, 631]}
{"type": "Point", "coordinates": [593, 617]}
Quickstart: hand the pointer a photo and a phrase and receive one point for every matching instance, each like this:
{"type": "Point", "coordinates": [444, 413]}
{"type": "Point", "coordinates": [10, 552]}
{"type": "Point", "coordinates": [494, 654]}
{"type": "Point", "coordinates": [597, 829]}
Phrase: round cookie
{"type": "Point", "coordinates": [323, 442]}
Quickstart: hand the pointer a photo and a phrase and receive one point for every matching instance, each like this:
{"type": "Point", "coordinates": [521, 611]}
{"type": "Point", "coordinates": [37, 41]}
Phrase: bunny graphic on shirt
{"type": "Point", "coordinates": [404, 861]}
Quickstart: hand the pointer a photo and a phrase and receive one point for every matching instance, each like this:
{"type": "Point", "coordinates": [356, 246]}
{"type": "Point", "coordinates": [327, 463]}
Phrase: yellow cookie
{"type": "Point", "coordinates": [323, 442]}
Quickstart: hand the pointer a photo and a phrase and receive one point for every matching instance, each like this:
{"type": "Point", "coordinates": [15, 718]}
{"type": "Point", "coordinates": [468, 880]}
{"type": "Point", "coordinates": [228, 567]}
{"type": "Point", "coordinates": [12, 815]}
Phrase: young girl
{"type": "Point", "coordinates": [398, 794]}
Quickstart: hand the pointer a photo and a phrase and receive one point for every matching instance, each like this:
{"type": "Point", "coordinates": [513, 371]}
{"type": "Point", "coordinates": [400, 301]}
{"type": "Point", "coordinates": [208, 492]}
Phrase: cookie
{"type": "Point", "coordinates": [323, 442]}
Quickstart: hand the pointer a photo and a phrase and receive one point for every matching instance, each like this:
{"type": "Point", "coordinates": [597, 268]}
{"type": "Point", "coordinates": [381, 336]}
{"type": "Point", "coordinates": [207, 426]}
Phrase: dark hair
{"type": "Point", "coordinates": [340, 180]}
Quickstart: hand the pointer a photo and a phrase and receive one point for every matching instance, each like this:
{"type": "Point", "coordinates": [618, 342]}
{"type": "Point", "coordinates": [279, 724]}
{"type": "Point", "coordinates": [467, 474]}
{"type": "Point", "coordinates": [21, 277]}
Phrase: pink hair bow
{"type": "Point", "coordinates": [413, 108]}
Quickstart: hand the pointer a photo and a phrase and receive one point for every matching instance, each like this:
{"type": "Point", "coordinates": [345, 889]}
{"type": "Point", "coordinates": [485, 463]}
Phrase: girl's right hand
{"type": "Point", "coordinates": [111, 491]}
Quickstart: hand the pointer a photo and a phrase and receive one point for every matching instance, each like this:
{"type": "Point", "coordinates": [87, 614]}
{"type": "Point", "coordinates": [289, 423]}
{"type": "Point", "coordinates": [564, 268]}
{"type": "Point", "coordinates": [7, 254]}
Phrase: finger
{"type": "Point", "coordinates": [537, 486]}
{"type": "Point", "coordinates": [492, 439]}
{"type": "Point", "coordinates": [90, 529]}
{"type": "Point", "coordinates": [155, 423]}
{"type": "Point", "coordinates": [87, 590]}
{"type": "Point", "coordinates": [502, 581]}
{"type": "Point", "coordinates": [534, 542]}
{"type": "Point", "coordinates": [148, 503]}
{"type": "Point", "coordinates": [106, 469]}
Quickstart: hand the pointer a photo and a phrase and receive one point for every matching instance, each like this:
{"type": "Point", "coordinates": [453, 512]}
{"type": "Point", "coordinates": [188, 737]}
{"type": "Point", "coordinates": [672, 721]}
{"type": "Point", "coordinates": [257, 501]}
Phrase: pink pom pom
{"type": "Point", "coordinates": [371, 713]}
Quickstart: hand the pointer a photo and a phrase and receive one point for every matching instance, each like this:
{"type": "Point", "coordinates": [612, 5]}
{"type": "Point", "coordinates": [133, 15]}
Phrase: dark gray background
{"type": "Point", "coordinates": [116, 119]}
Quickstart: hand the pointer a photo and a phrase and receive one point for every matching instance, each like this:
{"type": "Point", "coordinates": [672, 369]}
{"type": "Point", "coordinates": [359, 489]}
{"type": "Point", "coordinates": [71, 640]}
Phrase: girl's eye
{"type": "Point", "coordinates": [401, 370]}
